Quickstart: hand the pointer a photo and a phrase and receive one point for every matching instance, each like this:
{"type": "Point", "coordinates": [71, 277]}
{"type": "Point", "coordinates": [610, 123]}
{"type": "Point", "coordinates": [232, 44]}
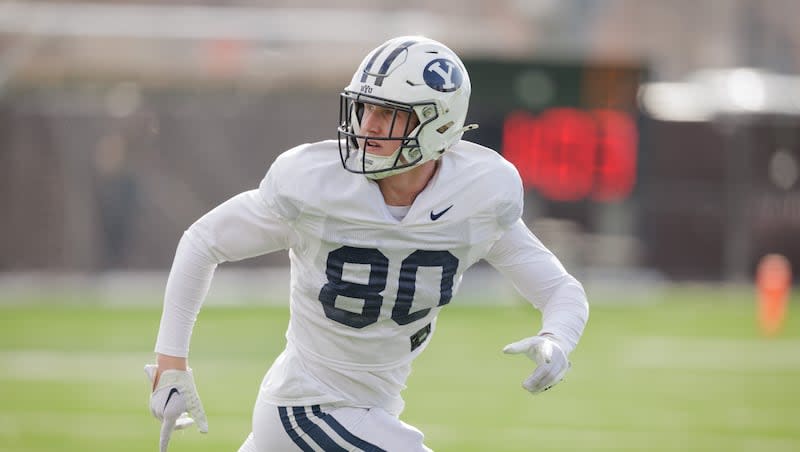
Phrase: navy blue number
{"type": "Point", "coordinates": [371, 292]}
{"type": "Point", "coordinates": [408, 282]}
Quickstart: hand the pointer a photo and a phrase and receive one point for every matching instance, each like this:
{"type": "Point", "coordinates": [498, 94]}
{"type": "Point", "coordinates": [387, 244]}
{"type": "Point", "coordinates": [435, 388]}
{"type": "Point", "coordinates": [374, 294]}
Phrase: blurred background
{"type": "Point", "coordinates": [658, 141]}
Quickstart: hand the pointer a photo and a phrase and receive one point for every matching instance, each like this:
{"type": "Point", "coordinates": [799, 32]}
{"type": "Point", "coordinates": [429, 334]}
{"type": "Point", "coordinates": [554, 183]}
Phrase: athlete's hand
{"type": "Point", "coordinates": [551, 361]}
{"type": "Point", "coordinates": [175, 402]}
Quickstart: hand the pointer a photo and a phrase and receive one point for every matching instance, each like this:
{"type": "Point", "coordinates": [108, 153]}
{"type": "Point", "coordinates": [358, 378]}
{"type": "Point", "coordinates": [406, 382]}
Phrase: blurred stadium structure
{"type": "Point", "coordinates": [121, 122]}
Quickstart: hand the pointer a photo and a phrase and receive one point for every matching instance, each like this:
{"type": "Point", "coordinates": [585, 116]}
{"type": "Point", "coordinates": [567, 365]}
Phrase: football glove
{"type": "Point", "coordinates": [551, 361]}
{"type": "Point", "coordinates": [175, 402]}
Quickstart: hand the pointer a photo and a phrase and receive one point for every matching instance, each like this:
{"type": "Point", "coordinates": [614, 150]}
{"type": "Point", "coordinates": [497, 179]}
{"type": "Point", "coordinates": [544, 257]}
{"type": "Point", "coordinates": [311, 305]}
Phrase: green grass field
{"type": "Point", "coordinates": [686, 372]}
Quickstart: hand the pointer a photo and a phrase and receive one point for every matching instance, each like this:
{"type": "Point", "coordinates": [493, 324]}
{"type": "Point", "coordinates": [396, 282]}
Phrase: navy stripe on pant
{"type": "Point", "coordinates": [314, 431]}
{"type": "Point", "coordinates": [287, 425]}
{"type": "Point", "coordinates": [306, 426]}
{"type": "Point", "coordinates": [344, 433]}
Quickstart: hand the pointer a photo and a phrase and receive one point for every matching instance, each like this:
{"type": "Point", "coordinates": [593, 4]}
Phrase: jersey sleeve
{"type": "Point", "coordinates": [509, 209]}
{"type": "Point", "coordinates": [539, 277]}
{"type": "Point", "coordinates": [279, 182]}
{"type": "Point", "coordinates": [242, 227]}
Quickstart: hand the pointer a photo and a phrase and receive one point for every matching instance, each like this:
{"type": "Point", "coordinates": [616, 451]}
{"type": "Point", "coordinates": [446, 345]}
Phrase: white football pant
{"type": "Point", "coordinates": [307, 429]}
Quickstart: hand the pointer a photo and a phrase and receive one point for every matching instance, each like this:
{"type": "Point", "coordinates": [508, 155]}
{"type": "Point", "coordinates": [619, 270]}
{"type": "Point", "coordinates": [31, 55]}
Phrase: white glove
{"type": "Point", "coordinates": [551, 361]}
{"type": "Point", "coordinates": [175, 402]}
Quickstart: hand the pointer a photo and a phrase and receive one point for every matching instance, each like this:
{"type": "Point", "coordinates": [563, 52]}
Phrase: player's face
{"type": "Point", "coordinates": [381, 122]}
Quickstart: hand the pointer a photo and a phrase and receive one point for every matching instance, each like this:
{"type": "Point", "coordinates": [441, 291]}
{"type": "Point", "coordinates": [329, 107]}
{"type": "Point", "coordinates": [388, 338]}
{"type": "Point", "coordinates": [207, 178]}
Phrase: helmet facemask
{"type": "Point", "coordinates": [353, 148]}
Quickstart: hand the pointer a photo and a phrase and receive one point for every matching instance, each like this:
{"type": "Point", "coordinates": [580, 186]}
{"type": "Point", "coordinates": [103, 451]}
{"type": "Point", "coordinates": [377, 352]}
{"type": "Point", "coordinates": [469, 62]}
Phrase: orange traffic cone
{"type": "Point", "coordinates": [773, 283]}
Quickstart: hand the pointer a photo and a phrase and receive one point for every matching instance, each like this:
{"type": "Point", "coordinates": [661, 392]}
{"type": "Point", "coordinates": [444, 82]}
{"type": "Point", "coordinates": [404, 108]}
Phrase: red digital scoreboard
{"type": "Point", "coordinates": [570, 129]}
{"type": "Point", "coordinates": [569, 154]}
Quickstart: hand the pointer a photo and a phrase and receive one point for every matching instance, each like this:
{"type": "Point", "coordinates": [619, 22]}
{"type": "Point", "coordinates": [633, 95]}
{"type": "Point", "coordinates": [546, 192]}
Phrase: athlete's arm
{"type": "Point", "coordinates": [539, 277]}
{"type": "Point", "coordinates": [542, 280]}
{"type": "Point", "coordinates": [239, 228]}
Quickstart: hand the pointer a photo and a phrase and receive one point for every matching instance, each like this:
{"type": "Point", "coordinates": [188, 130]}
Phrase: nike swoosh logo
{"type": "Point", "coordinates": [435, 216]}
{"type": "Point", "coordinates": [169, 396]}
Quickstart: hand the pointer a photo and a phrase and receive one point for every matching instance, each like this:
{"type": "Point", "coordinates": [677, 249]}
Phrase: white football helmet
{"type": "Point", "coordinates": [413, 74]}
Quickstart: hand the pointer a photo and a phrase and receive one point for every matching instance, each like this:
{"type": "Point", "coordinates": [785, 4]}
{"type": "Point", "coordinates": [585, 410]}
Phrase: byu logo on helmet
{"type": "Point", "coordinates": [442, 75]}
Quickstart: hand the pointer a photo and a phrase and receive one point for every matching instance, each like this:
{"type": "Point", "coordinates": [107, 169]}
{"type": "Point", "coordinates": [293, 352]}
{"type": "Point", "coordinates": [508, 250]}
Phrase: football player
{"type": "Point", "coordinates": [380, 225]}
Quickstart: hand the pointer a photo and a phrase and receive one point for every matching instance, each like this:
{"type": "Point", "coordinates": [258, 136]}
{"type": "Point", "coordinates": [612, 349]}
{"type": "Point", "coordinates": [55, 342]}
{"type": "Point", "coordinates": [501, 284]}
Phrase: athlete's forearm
{"type": "Point", "coordinates": [167, 362]}
{"type": "Point", "coordinates": [565, 314]}
{"type": "Point", "coordinates": [188, 283]}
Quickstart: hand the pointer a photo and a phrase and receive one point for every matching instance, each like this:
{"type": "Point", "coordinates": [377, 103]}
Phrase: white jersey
{"type": "Point", "coordinates": [365, 287]}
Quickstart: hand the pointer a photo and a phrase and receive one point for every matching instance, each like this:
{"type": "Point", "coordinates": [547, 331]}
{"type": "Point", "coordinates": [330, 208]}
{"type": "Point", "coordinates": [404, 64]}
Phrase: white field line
{"type": "Point", "coordinates": [736, 355]}
{"type": "Point", "coordinates": [73, 424]}
{"type": "Point", "coordinates": [50, 365]}
{"type": "Point", "coordinates": [656, 352]}
{"type": "Point", "coordinates": [121, 367]}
